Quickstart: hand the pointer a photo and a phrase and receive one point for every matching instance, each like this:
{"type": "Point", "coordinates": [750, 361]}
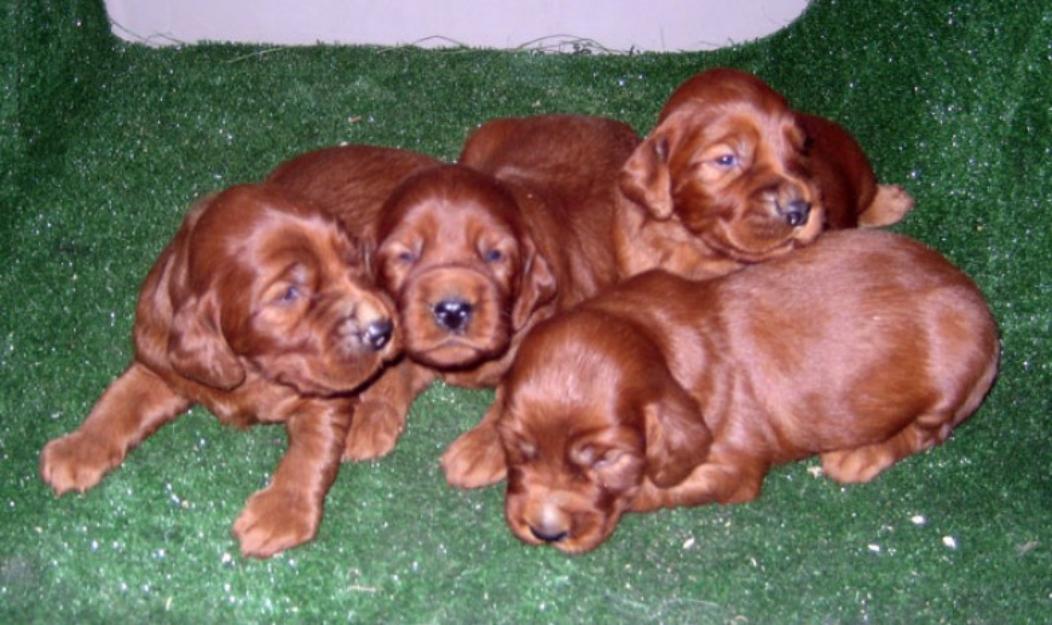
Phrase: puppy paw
{"type": "Point", "coordinates": [889, 206]}
{"type": "Point", "coordinates": [374, 431]}
{"type": "Point", "coordinates": [77, 462]}
{"type": "Point", "coordinates": [275, 520]}
{"type": "Point", "coordinates": [475, 459]}
{"type": "Point", "coordinates": [855, 466]}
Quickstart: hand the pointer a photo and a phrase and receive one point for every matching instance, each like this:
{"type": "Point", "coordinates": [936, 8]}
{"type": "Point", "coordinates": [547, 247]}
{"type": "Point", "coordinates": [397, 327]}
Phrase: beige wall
{"type": "Point", "coordinates": [618, 25]}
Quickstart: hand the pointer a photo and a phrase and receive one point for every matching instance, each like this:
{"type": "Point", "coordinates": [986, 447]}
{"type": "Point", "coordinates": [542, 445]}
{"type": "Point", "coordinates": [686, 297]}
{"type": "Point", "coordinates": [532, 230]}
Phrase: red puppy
{"type": "Point", "coordinates": [476, 253]}
{"type": "Point", "coordinates": [353, 183]}
{"type": "Point", "coordinates": [864, 348]}
{"type": "Point", "coordinates": [262, 310]}
{"type": "Point", "coordinates": [731, 176]}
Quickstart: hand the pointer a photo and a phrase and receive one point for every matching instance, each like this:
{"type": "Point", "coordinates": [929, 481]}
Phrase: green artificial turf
{"type": "Point", "coordinates": [104, 144]}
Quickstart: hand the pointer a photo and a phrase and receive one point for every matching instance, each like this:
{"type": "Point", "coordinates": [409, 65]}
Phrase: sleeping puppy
{"type": "Point", "coordinates": [261, 309]}
{"type": "Point", "coordinates": [732, 176]}
{"type": "Point", "coordinates": [475, 254]}
{"type": "Point", "coordinates": [664, 392]}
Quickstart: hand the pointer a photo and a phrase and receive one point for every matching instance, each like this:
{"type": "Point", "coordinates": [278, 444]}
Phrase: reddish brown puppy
{"type": "Point", "coordinates": [665, 392]}
{"type": "Point", "coordinates": [477, 253]}
{"type": "Point", "coordinates": [731, 176]}
{"type": "Point", "coordinates": [262, 310]}
{"type": "Point", "coordinates": [353, 183]}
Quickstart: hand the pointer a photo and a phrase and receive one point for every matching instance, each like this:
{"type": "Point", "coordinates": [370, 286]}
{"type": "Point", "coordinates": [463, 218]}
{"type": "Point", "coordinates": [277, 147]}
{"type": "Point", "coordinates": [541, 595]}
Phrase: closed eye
{"type": "Point", "coordinates": [528, 451]}
{"type": "Point", "coordinates": [608, 460]}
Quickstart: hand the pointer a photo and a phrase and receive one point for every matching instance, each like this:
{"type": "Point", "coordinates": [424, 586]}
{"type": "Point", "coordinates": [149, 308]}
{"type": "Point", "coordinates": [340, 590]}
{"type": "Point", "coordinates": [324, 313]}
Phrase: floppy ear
{"type": "Point", "coordinates": [197, 348]}
{"type": "Point", "coordinates": [645, 177]}
{"type": "Point", "coordinates": [677, 437]}
{"type": "Point", "coordinates": [537, 287]}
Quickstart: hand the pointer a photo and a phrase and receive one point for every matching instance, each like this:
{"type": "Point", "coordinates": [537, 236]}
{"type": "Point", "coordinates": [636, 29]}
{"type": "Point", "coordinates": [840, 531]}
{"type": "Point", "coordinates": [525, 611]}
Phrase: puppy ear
{"type": "Point", "coordinates": [645, 178]}
{"type": "Point", "coordinates": [538, 285]}
{"type": "Point", "coordinates": [677, 437]}
{"type": "Point", "coordinates": [197, 348]}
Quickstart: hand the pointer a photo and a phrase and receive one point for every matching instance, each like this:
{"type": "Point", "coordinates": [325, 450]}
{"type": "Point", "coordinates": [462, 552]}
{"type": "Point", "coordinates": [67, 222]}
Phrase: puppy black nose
{"type": "Point", "coordinates": [378, 333]}
{"type": "Point", "coordinates": [452, 314]}
{"type": "Point", "coordinates": [546, 536]}
{"type": "Point", "coordinates": [796, 212]}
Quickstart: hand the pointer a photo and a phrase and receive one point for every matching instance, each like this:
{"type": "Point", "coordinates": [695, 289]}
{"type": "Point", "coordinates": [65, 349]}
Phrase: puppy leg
{"type": "Point", "coordinates": [288, 511]}
{"type": "Point", "coordinates": [476, 458]}
{"type": "Point", "coordinates": [889, 206]}
{"type": "Point", "coordinates": [726, 481]}
{"type": "Point", "coordinates": [132, 408]}
{"type": "Point", "coordinates": [864, 463]}
{"type": "Point", "coordinates": [382, 408]}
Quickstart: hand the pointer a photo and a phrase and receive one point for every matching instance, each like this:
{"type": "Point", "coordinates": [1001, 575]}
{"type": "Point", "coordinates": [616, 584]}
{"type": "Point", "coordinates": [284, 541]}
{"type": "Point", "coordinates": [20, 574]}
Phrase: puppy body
{"type": "Point", "coordinates": [562, 171]}
{"type": "Point", "coordinates": [476, 253]}
{"type": "Point", "coordinates": [353, 183]}
{"type": "Point", "coordinates": [261, 310]}
{"type": "Point", "coordinates": [663, 392]}
{"type": "Point", "coordinates": [732, 176]}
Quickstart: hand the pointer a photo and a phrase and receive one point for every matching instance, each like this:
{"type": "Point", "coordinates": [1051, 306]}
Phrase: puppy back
{"type": "Point", "coordinates": [350, 182]}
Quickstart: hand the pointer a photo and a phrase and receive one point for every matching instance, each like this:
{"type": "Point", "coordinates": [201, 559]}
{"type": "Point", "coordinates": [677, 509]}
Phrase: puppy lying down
{"type": "Point", "coordinates": [261, 309]}
{"type": "Point", "coordinates": [863, 348]}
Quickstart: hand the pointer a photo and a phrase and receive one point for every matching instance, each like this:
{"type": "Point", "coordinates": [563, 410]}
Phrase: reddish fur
{"type": "Point", "coordinates": [218, 325]}
{"type": "Point", "coordinates": [540, 191]}
{"type": "Point", "coordinates": [687, 213]}
{"type": "Point", "coordinates": [561, 170]}
{"type": "Point", "coordinates": [664, 392]}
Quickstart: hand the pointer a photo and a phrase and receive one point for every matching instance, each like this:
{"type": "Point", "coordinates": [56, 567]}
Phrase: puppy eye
{"type": "Point", "coordinates": [406, 256]}
{"type": "Point", "coordinates": [290, 295]}
{"type": "Point", "coordinates": [726, 160]}
{"type": "Point", "coordinates": [608, 459]}
{"type": "Point", "coordinates": [527, 450]}
{"type": "Point", "coordinates": [584, 455]}
{"type": "Point", "coordinates": [493, 256]}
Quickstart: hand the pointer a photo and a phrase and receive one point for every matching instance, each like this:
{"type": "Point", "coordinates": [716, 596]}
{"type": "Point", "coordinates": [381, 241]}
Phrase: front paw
{"type": "Point", "coordinates": [77, 462]}
{"type": "Point", "coordinates": [475, 459]}
{"type": "Point", "coordinates": [275, 520]}
{"type": "Point", "coordinates": [889, 206]}
{"type": "Point", "coordinates": [374, 431]}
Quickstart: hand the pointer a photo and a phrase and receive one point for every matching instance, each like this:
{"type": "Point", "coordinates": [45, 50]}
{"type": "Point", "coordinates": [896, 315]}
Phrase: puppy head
{"type": "Point", "coordinates": [728, 160]}
{"type": "Point", "coordinates": [463, 268]}
{"type": "Point", "coordinates": [267, 283]}
{"type": "Point", "coordinates": [590, 413]}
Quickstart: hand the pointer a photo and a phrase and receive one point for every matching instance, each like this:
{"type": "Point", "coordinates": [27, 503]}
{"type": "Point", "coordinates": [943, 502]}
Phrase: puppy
{"type": "Point", "coordinates": [732, 176]}
{"type": "Point", "coordinates": [475, 254]}
{"type": "Point", "coordinates": [262, 310]}
{"type": "Point", "coordinates": [863, 348]}
{"type": "Point", "coordinates": [353, 183]}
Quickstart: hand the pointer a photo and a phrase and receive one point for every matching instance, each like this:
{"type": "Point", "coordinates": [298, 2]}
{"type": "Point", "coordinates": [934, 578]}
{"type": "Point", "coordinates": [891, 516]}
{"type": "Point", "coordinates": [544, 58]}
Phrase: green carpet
{"type": "Point", "coordinates": [104, 144]}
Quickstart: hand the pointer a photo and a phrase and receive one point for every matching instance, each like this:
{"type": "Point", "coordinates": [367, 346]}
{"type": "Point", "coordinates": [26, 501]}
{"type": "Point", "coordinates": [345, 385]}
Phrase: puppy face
{"type": "Point", "coordinates": [589, 414]}
{"type": "Point", "coordinates": [729, 161]}
{"type": "Point", "coordinates": [464, 272]}
{"type": "Point", "coordinates": [573, 466]}
{"type": "Point", "coordinates": [274, 286]}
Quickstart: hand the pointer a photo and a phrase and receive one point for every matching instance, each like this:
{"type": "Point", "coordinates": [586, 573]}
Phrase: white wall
{"type": "Point", "coordinates": [617, 25]}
